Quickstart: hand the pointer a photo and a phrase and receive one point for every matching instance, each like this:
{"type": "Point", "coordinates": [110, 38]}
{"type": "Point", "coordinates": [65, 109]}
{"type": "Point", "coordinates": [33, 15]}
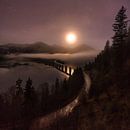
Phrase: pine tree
{"type": "Point", "coordinates": [106, 57]}
{"type": "Point", "coordinates": [18, 99]}
{"type": "Point", "coordinates": [57, 85]}
{"type": "Point", "coordinates": [129, 35]}
{"type": "Point", "coordinates": [128, 45]}
{"type": "Point", "coordinates": [120, 29]}
{"type": "Point", "coordinates": [65, 87]}
{"type": "Point", "coordinates": [1, 108]}
{"type": "Point", "coordinates": [19, 90]}
{"type": "Point", "coordinates": [107, 46]}
{"type": "Point", "coordinates": [30, 98]}
{"type": "Point", "coordinates": [28, 90]}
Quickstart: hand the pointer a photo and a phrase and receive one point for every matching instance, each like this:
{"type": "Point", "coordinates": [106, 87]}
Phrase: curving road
{"type": "Point", "coordinates": [43, 122]}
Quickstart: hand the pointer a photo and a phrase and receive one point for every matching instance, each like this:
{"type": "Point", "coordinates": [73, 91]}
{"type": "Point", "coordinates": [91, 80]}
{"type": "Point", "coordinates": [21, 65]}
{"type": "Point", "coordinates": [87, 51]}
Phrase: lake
{"type": "Point", "coordinates": [39, 74]}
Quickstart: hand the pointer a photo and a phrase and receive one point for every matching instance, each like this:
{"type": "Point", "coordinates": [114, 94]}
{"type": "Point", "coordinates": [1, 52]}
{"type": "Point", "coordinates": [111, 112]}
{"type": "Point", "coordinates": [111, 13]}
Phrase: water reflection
{"type": "Point", "coordinates": [39, 74]}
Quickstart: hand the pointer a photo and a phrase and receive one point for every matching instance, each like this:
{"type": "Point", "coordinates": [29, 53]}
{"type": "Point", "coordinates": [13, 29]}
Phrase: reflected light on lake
{"type": "Point", "coordinates": [39, 74]}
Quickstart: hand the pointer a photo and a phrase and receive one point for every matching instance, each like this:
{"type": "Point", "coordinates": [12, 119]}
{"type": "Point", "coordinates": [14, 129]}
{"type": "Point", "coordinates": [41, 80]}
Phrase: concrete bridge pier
{"type": "Point", "coordinates": [66, 69]}
{"type": "Point", "coordinates": [70, 70]}
{"type": "Point", "coordinates": [62, 68]}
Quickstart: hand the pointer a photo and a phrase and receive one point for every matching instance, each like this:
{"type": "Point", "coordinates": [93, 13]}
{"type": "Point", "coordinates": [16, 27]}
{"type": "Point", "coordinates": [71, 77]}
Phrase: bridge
{"type": "Point", "coordinates": [69, 70]}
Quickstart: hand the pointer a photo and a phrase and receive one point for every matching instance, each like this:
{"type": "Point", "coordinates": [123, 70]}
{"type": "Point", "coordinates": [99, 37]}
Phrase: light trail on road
{"type": "Point", "coordinates": [45, 121]}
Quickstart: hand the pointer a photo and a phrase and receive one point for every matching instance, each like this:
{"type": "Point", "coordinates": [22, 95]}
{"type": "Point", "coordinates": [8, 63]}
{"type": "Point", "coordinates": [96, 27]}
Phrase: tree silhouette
{"type": "Point", "coordinates": [128, 45]}
{"type": "Point", "coordinates": [2, 109]}
{"type": "Point", "coordinates": [120, 28]}
{"type": "Point", "coordinates": [106, 57]}
{"type": "Point", "coordinates": [28, 90]}
{"type": "Point", "coordinates": [18, 99]}
{"type": "Point", "coordinates": [19, 90]}
{"type": "Point", "coordinates": [119, 38]}
{"type": "Point", "coordinates": [57, 85]}
{"type": "Point", "coordinates": [30, 99]}
{"type": "Point", "coordinates": [65, 87]}
{"type": "Point", "coordinates": [44, 96]}
{"type": "Point", "coordinates": [76, 81]}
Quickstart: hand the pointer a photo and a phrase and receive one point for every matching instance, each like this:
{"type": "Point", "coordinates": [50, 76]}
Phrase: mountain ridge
{"type": "Point", "coordinates": [41, 47]}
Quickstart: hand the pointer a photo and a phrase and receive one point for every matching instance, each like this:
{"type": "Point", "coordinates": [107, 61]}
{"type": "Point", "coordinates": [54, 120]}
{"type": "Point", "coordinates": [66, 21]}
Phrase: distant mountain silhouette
{"type": "Point", "coordinates": [40, 47]}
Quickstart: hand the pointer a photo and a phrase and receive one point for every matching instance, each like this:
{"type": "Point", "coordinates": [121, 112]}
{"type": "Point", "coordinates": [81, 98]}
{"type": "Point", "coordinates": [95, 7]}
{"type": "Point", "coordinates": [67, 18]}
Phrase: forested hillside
{"type": "Point", "coordinates": [108, 104]}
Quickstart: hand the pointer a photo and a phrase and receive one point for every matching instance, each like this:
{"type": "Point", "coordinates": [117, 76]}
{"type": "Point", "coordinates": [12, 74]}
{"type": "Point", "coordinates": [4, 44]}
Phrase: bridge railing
{"type": "Point", "coordinates": [62, 67]}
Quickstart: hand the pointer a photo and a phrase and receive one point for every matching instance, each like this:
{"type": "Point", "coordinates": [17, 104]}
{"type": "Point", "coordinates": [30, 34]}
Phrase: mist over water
{"type": "Point", "coordinates": [74, 58]}
{"type": "Point", "coordinates": [40, 73]}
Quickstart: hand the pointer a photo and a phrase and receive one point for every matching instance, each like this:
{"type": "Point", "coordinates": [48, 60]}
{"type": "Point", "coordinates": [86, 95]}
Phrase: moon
{"type": "Point", "coordinates": [71, 38]}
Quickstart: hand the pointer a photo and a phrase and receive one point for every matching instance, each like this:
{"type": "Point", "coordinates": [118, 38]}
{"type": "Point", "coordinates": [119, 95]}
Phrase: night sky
{"type": "Point", "coordinates": [27, 21]}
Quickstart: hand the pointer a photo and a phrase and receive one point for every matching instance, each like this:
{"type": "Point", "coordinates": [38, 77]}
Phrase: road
{"type": "Point", "coordinates": [47, 120]}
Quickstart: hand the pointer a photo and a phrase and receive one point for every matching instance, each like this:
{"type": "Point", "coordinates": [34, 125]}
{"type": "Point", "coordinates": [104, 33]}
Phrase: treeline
{"type": "Point", "coordinates": [27, 102]}
{"type": "Point", "coordinates": [108, 104]}
{"type": "Point", "coordinates": [112, 65]}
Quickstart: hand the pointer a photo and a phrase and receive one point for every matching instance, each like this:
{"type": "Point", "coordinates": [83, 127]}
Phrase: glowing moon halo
{"type": "Point", "coordinates": [71, 38]}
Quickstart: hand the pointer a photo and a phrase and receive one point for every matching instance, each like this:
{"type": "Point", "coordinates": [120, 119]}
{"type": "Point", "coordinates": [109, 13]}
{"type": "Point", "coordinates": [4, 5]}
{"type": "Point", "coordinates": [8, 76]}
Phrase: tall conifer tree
{"type": "Point", "coordinates": [119, 38]}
